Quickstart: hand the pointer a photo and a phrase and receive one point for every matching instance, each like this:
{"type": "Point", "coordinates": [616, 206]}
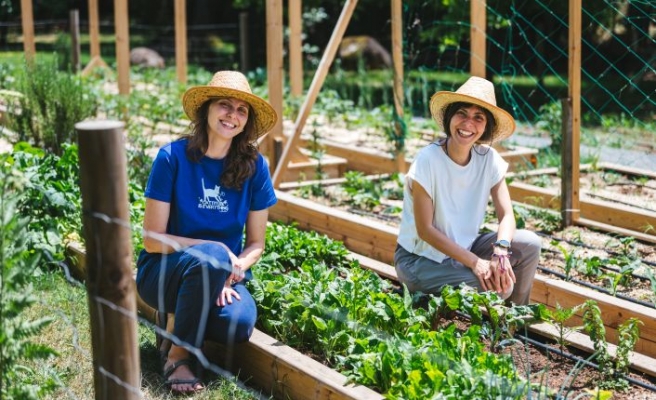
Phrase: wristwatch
{"type": "Point", "coordinates": [504, 244]}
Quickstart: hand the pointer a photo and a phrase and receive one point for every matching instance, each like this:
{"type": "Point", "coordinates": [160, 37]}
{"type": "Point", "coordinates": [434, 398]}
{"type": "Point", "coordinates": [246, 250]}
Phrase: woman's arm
{"type": "Point", "coordinates": [156, 240]}
{"type": "Point", "coordinates": [256, 224]}
{"type": "Point", "coordinates": [504, 210]}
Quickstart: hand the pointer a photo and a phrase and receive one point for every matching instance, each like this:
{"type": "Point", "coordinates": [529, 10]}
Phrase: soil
{"type": "Point", "coordinates": [606, 185]}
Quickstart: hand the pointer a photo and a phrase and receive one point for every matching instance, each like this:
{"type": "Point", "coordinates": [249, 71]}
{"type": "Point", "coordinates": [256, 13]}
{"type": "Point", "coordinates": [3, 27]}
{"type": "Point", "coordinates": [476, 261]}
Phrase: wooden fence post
{"type": "Point", "coordinates": [110, 284]}
{"type": "Point", "coordinates": [566, 160]}
{"type": "Point", "coordinates": [74, 21]}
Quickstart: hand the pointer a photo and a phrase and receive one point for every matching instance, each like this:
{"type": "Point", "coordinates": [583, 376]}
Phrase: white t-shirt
{"type": "Point", "coordinates": [460, 196]}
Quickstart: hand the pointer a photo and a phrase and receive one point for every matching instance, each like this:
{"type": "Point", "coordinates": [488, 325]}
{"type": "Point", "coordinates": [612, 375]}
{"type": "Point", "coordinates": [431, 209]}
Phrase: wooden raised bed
{"type": "Point", "coordinates": [263, 362]}
{"type": "Point", "coordinates": [371, 161]}
{"type": "Point", "coordinates": [378, 241]}
{"type": "Point", "coordinates": [271, 366]}
{"type": "Point", "coordinates": [601, 214]}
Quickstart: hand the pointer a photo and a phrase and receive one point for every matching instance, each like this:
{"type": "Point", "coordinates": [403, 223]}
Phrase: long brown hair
{"type": "Point", "coordinates": [240, 161]}
{"type": "Point", "coordinates": [451, 110]}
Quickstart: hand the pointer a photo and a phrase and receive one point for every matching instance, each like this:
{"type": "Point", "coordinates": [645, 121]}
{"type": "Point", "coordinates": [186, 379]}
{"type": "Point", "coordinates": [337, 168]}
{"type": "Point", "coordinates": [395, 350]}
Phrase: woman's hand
{"type": "Point", "coordinates": [227, 293]}
{"type": "Point", "coordinates": [502, 273]}
{"type": "Point", "coordinates": [483, 271]}
{"type": "Point", "coordinates": [237, 274]}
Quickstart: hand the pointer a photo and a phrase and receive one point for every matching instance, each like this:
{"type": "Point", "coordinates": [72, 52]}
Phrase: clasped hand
{"type": "Point", "coordinates": [228, 291]}
{"type": "Point", "coordinates": [496, 274]}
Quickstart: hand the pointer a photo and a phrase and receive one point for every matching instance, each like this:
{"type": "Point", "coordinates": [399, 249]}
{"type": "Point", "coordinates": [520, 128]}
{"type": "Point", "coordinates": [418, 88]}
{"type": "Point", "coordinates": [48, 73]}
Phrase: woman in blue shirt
{"type": "Point", "coordinates": [207, 201]}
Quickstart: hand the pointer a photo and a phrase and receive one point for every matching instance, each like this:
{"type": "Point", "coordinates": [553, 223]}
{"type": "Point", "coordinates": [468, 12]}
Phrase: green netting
{"type": "Point", "coordinates": [527, 55]}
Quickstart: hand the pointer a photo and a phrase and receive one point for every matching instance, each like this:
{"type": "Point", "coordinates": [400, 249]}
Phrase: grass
{"type": "Point", "coordinates": [69, 334]}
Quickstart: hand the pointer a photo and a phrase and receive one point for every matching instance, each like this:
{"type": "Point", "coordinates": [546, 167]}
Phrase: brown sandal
{"type": "Point", "coordinates": [170, 382]}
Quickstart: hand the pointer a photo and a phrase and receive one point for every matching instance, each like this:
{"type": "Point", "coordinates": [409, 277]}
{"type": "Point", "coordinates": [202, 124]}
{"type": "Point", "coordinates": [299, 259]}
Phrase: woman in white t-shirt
{"type": "Point", "coordinates": [445, 197]}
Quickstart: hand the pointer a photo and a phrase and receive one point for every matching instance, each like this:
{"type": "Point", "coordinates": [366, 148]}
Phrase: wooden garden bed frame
{"type": "Point", "coordinates": [273, 367]}
{"type": "Point", "coordinates": [598, 214]}
{"type": "Point", "coordinates": [377, 241]}
{"type": "Point", "coordinates": [370, 161]}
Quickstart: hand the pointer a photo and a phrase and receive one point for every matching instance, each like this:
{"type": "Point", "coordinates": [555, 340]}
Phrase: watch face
{"type": "Point", "coordinates": [502, 243]}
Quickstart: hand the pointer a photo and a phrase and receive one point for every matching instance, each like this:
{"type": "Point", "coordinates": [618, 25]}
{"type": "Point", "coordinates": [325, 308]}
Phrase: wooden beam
{"type": "Point", "coordinates": [315, 87]}
{"type": "Point", "coordinates": [534, 195]}
{"type": "Point", "coordinates": [295, 48]}
{"type": "Point", "coordinates": [27, 21]}
{"type": "Point", "coordinates": [478, 20]}
{"type": "Point", "coordinates": [94, 29]}
{"type": "Point", "coordinates": [370, 161]}
{"type": "Point", "coordinates": [567, 187]}
{"type": "Point", "coordinates": [275, 74]}
{"type": "Point", "coordinates": [397, 59]}
{"type": "Point", "coordinates": [121, 20]}
{"type": "Point", "coordinates": [180, 15]}
{"type": "Point", "coordinates": [574, 94]}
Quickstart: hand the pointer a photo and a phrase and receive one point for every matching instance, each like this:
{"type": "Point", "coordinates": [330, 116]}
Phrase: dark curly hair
{"type": "Point", "coordinates": [450, 111]}
{"type": "Point", "coordinates": [240, 161]}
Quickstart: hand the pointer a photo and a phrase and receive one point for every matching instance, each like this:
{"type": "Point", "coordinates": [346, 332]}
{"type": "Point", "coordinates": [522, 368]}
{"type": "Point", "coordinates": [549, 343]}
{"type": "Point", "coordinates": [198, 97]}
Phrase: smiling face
{"type": "Point", "coordinates": [468, 124]}
{"type": "Point", "coordinates": [227, 117]}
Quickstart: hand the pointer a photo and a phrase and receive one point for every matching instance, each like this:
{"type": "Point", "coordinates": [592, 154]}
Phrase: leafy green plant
{"type": "Point", "coordinates": [624, 276]}
{"type": "Point", "coordinates": [52, 103]}
{"type": "Point", "coordinates": [549, 120]}
{"type": "Point", "coordinates": [363, 191]}
{"type": "Point", "coordinates": [376, 337]}
{"type": "Point", "coordinates": [18, 379]}
{"type": "Point", "coordinates": [628, 333]}
{"type": "Point", "coordinates": [572, 261]}
{"type": "Point", "coordinates": [558, 317]}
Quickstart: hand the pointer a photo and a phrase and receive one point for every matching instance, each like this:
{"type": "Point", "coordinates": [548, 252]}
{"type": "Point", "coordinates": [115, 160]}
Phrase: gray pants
{"type": "Point", "coordinates": [428, 276]}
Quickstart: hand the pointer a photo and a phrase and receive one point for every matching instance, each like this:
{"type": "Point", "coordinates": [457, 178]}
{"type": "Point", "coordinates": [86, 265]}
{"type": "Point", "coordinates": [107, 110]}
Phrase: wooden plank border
{"type": "Point", "coordinates": [605, 215]}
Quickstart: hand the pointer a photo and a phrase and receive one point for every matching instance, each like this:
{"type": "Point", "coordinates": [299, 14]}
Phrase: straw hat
{"type": "Point", "coordinates": [231, 84]}
{"type": "Point", "coordinates": [476, 91]}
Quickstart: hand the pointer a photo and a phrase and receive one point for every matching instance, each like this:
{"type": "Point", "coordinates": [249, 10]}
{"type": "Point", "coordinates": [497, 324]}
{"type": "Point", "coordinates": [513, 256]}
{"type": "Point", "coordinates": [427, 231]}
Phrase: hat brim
{"type": "Point", "coordinates": [505, 122]}
{"type": "Point", "coordinates": [265, 117]}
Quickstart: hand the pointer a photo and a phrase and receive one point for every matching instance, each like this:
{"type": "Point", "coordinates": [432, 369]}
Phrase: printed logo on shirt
{"type": "Point", "coordinates": [212, 198]}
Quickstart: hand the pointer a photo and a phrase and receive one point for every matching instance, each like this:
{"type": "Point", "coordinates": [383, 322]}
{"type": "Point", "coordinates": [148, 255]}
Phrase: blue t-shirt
{"type": "Point", "coordinates": [200, 207]}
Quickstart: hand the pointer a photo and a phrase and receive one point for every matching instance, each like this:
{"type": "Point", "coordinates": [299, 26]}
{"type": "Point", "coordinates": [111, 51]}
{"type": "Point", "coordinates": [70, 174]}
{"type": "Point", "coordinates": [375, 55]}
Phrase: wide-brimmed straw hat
{"type": "Point", "coordinates": [476, 91]}
{"type": "Point", "coordinates": [231, 84]}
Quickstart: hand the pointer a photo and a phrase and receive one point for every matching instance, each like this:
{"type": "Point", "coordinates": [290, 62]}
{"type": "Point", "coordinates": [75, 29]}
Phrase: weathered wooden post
{"type": "Point", "coordinates": [567, 190]}
{"type": "Point", "coordinates": [110, 286]}
{"type": "Point", "coordinates": [74, 21]}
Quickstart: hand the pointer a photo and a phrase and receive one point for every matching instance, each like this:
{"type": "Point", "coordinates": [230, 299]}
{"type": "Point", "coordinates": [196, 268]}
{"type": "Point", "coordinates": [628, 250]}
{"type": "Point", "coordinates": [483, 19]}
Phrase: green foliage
{"type": "Point", "coordinates": [549, 120]}
{"type": "Point", "coordinates": [558, 317]}
{"type": "Point", "coordinates": [18, 266]}
{"type": "Point", "coordinates": [351, 317]}
{"type": "Point", "coordinates": [52, 196]}
{"type": "Point", "coordinates": [628, 333]}
{"type": "Point", "coordinates": [52, 103]}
